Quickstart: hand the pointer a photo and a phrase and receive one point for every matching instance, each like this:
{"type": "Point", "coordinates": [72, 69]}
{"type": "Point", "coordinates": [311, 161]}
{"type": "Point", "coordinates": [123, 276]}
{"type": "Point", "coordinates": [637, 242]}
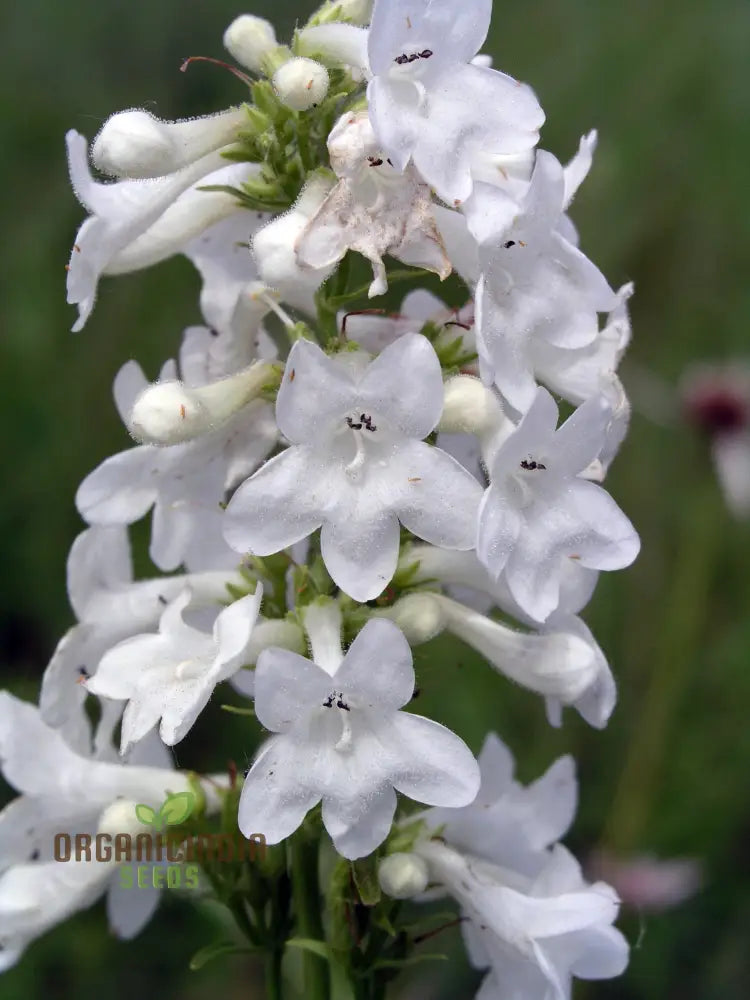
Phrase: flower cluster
{"type": "Point", "coordinates": [336, 484]}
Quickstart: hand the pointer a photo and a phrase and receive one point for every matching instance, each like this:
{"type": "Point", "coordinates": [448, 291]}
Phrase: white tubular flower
{"type": "Point", "coordinates": [508, 823]}
{"type": "Point", "coordinates": [539, 512]}
{"type": "Point", "coordinates": [535, 934]}
{"type": "Point", "coordinates": [464, 570]}
{"type": "Point", "coordinates": [136, 144]}
{"type": "Point", "coordinates": [357, 466]}
{"type": "Point", "coordinates": [301, 83]}
{"type": "Point", "coordinates": [430, 105]}
{"type": "Point", "coordinates": [267, 632]}
{"type": "Point", "coordinates": [341, 738]}
{"type": "Point", "coordinates": [248, 39]}
{"type": "Point", "coordinates": [556, 663]}
{"type": "Point", "coordinates": [274, 248]}
{"type": "Point", "coordinates": [403, 876]}
{"type": "Point", "coordinates": [185, 483]}
{"type": "Point", "coordinates": [64, 791]}
{"type": "Point", "coordinates": [535, 285]}
{"type": "Point", "coordinates": [419, 616]}
{"type": "Point", "coordinates": [373, 210]}
{"type": "Point", "coordinates": [109, 607]}
{"type": "Point", "coordinates": [171, 676]}
{"type": "Point", "coordinates": [118, 235]}
{"type": "Point", "coordinates": [168, 412]}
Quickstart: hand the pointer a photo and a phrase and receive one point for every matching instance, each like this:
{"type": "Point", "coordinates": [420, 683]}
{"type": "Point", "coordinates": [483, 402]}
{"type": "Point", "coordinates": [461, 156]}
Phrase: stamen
{"type": "Point", "coordinates": [217, 62]}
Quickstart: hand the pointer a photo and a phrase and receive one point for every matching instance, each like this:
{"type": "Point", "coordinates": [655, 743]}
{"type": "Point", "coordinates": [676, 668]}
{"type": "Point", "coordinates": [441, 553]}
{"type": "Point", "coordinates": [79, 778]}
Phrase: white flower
{"type": "Point", "coordinates": [64, 791]}
{"type": "Point", "coordinates": [535, 285]}
{"type": "Point", "coordinates": [535, 934]}
{"type": "Point", "coordinates": [109, 607]}
{"type": "Point", "coordinates": [562, 662]}
{"type": "Point", "coordinates": [341, 738]}
{"type": "Point", "coordinates": [136, 223]}
{"type": "Point", "coordinates": [171, 676]}
{"type": "Point", "coordinates": [373, 210]}
{"type": "Point", "coordinates": [430, 105]}
{"type": "Point", "coordinates": [357, 466]}
{"type": "Point", "coordinates": [539, 512]}
{"type": "Point", "coordinates": [508, 823]}
{"type": "Point", "coordinates": [185, 483]}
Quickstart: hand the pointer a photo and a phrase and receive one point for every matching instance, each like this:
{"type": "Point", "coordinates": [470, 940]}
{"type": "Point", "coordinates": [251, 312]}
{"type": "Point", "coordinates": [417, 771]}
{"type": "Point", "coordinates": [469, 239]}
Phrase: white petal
{"type": "Point", "coordinates": [286, 687]}
{"type": "Point", "coordinates": [434, 496]}
{"type": "Point", "coordinates": [274, 801]}
{"type": "Point", "coordinates": [404, 384]}
{"type": "Point", "coordinates": [360, 550]}
{"type": "Point", "coordinates": [315, 392]}
{"type": "Point", "coordinates": [233, 629]}
{"type": "Point", "coordinates": [129, 910]}
{"type": "Point", "coordinates": [358, 826]}
{"type": "Point", "coordinates": [499, 525]}
{"type": "Point", "coordinates": [437, 766]}
{"type": "Point", "coordinates": [454, 33]}
{"type": "Point", "coordinates": [119, 491]}
{"type": "Point", "coordinates": [99, 559]}
{"type": "Point", "coordinates": [378, 667]}
{"type": "Point", "coordinates": [278, 506]}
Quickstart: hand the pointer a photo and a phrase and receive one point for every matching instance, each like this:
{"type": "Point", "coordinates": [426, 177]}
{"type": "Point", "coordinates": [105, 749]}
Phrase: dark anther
{"type": "Point", "coordinates": [375, 161]}
{"type": "Point", "coordinates": [367, 421]}
{"type": "Point", "coordinates": [413, 57]}
{"type": "Point", "coordinates": [342, 704]}
{"type": "Point", "coordinates": [531, 466]}
{"type": "Point", "coordinates": [401, 59]}
{"type": "Point", "coordinates": [354, 427]}
{"type": "Point", "coordinates": [509, 244]}
{"type": "Point", "coordinates": [83, 672]}
{"type": "Point", "coordinates": [425, 53]}
{"type": "Point", "coordinates": [328, 703]}
{"type": "Point", "coordinates": [389, 162]}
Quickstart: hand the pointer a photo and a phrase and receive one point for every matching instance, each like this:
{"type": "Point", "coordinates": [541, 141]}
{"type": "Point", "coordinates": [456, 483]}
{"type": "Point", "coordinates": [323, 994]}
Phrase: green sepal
{"type": "Point", "coordinates": [217, 950]}
{"type": "Point", "coordinates": [365, 875]}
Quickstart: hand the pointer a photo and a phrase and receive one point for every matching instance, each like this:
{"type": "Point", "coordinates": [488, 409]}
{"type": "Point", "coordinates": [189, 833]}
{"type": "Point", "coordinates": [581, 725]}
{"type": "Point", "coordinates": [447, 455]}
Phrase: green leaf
{"type": "Point", "coordinates": [399, 963]}
{"type": "Point", "coordinates": [145, 814]}
{"type": "Point", "coordinates": [319, 948]}
{"type": "Point", "coordinates": [177, 808]}
{"type": "Point", "coordinates": [216, 950]}
{"type": "Point", "coordinates": [365, 874]}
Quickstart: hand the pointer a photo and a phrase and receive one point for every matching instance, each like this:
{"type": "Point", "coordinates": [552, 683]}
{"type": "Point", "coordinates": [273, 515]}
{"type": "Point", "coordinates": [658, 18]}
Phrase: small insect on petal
{"type": "Point", "coordinates": [292, 375]}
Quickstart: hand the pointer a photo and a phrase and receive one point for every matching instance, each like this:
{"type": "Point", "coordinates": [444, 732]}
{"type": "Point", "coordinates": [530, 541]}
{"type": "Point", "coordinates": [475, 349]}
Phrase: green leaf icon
{"type": "Point", "coordinates": [177, 808]}
{"type": "Point", "coordinates": [145, 814]}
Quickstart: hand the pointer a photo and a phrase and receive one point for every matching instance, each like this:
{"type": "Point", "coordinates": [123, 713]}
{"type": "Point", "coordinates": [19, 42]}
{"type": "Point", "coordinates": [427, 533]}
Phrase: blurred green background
{"type": "Point", "coordinates": [668, 206]}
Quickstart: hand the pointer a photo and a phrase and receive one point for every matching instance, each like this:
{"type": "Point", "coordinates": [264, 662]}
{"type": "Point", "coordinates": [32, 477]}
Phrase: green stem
{"type": "Point", "coordinates": [306, 899]}
{"type": "Point", "coordinates": [679, 637]}
{"type": "Point", "coordinates": [273, 975]}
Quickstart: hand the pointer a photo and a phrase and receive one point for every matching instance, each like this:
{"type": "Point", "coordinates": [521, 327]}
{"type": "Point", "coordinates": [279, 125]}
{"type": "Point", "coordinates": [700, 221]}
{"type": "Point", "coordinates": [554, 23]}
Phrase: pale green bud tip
{"type": "Point", "coordinates": [133, 143]}
{"type": "Point", "coordinates": [403, 875]}
{"type": "Point", "coordinates": [419, 616]}
{"type": "Point", "coordinates": [301, 83]}
{"type": "Point", "coordinates": [248, 39]}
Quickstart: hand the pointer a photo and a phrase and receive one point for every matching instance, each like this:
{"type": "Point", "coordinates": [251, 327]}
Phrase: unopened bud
{"type": "Point", "coordinates": [120, 817]}
{"type": "Point", "coordinates": [136, 144]}
{"type": "Point", "coordinates": [469, 407]}
{"type": "Point", "coordinates": [419, 616]}
{"type": "Point", "coordinates": [170, 412]}
{"type": "Point", "coordinates": [248, 39]}
{"type": "Point", "coordinates": [403, 875]}
{"type": "Point", "coordinates": [301, 83]}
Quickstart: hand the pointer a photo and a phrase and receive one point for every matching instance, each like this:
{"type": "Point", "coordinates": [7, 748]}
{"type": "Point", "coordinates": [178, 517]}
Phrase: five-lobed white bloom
{"type": "Point", "coordinates": [342, 738]}
{"type": "Point", "coordinates": [357, 465]}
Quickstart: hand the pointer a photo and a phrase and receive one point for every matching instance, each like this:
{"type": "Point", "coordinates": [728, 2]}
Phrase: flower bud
{"type": "Point", "coordinates": [403, 875]}
{"type": "Point", "coordinates": [136, 144]}
{"type": "Point", "coordinates": [120, 817]}
{"type": "Point", "coordinates": [171, 412]}
{"type": "Point", "coordinates": [248, 39]}
{"type": "Point", "coordinates": [301, 83]}
{"type": "Point", "coordinates": [419, 617]}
